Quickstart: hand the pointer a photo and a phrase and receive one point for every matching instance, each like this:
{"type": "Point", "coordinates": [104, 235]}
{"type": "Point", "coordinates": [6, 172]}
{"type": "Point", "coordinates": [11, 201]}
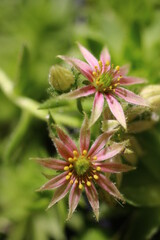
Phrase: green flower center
{"type": "Point", "coordinates": [81, 165]}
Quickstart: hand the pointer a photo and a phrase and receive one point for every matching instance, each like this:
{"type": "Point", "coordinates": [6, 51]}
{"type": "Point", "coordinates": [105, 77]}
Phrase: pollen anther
{"type": "Point", "coordinates": [71, 182]}
{"type": "Point", "coordinates": [98, 168]}
{"type": "Point", "coordinates": [80, 186]}
{"type": "Point", "coordinates": [70, 174]}
{"type": "Point", "coordinates": [66, 168]}
{"type": "Point", "coordinates": [95, 158]}
{"type": "Point", "coordinates": [70, 166]}
{"type": "Point", "coordinates": [117, 68]}
{"type": "Point", "coordinates": [68, 177]}
{"type": "Point", "coordinates": [84, 152]}
{"type": "Point", "coordinates": [88, 183]}
{"type": "Point", "coordinates": [70, 160]}
{"type": "Point", "coordinates": [95, 177]}
{"type": "Point", "coordinates": [75, 153]}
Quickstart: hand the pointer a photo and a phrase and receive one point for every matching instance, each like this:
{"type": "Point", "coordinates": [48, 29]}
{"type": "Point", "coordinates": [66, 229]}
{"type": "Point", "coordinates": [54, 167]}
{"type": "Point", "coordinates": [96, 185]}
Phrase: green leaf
{"type": "Point", "coordinates": [140, 188]}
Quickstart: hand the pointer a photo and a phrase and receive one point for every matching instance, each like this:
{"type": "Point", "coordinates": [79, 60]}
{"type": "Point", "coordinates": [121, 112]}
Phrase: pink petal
{"type": "Point", "coordinates": [52, 163]}
{"type": "Point", "coordinates": [130, 96]}
{"type": "Point", "coordinates": [108, 186]}
{"type": "Point", "coordinates": [104, 57]}
{"type": "Point", "coordinates": [97, 108]}
{"type": "Point", "coordinates": [100, 142]}
{"type": "Point", "coordinates": [74, 197]}
{"type": "Point", "coordinates": [124, 69]}
{"type": "Point", "coordinates": [55, 182]}
{"type": "Point", "coordinates": [85, 135]}
{"type": "Point", "coordinates": [80, 92]}
{"type": "Point", "coordinates": [63, 150]}
{"type": "Point", "coordinates": [110, 152]}
{"type": "Point", "coordinates": [81, 66]}
{"type": "Point", "coordinates": [92, 196]}
{"type": "Point", "coordinates": [131, 80]}
{"type": "Point", "coordinates": [60, 193]}
{"type": "Point", "coordinates": [66, 139]}
{"type": "Point", "coordinates": [116, 109]}
{"type": "Point", "coordinates": [89, 57]}
{"type": "Point", "coordinates": [115, 167]}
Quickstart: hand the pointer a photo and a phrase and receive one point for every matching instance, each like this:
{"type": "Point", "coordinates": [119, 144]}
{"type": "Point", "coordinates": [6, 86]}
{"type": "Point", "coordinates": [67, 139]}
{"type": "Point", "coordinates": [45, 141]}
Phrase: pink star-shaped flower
{"type": "Point", "coordinates": [83, 168]}
{"type": "Point", "coordinates": [105, 82]}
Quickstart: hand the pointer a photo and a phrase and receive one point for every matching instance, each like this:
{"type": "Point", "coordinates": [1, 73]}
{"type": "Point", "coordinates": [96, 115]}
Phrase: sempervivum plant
{"type": "Point", "coordinates": [83, 168]}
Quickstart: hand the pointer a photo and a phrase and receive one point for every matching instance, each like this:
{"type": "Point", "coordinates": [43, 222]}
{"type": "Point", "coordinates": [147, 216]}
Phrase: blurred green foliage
{"type": "Point", "coordinates": [32, 34]}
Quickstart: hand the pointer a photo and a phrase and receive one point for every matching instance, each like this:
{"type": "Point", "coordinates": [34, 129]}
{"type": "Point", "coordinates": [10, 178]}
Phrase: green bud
{"type": "Point", "coordinates": [154, 103]}
{"type": "Point", "coordinates": [60, 78]}
{"type": "Point", "coordinates": [150, 91]}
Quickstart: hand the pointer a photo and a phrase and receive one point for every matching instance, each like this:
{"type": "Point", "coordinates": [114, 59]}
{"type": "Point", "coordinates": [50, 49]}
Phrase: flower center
{"type": "Point", "coordinates": [106, 82]}
{"type": "Point", "coordinates": [81, 165]}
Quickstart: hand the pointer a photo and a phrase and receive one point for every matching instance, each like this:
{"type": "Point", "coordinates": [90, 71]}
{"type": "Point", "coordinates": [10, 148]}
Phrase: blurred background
{"type": "Point", "coordinates": [32, 34]}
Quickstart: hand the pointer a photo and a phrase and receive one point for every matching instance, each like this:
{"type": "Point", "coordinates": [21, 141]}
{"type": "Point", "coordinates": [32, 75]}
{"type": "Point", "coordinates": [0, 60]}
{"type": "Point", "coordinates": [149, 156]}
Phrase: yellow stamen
{"type": "Point", "coordinates": [104, 89]}
{"type": "Point", "coordinates": [115, 84]}
{"type": "Point", "coordinates": [70, 174]}
{"type": "Point", "coordinates": [98, 168]}
{"type": "Point", "coordinates": [68, 177]}
{"type": "Point", "coordinates": [94, 73]}
{"type": "Point", "coordinates": [70, 166]}
{"type": "Point", "coordinates": [74, 158]}
{"type": "Point", "coordinates": [80, 186]}
{"type": "Point", "coordinates": [88, 183]}
{"type": "Point", "coordinates": [96, 67]}
{"type": "Point", "coordinates": [118, 78]}
{"type": "Point", "coordinates": [84, 152]}
{"type": "Point", "coordinates": [66, 168]}
{"type": "Point", "coordinates": [95, 177]}
{"type": "Point", "coordinates": [89, 158]}
{"type": "Point", "coordinates": [75, 153]}
{"type": "Point", "coordinates": [110, 87]}
{"type": "Point", "coordinates": [90, 177]}
{"type": "Point", "coordinates": [95, 158]}
{"type": "Point", "coordinates": [76, 181]}
{"type": "Point", "coordinates": [70, 160]}
{"type": "Point", "coordinates": [117, 68]}
{"type": "Point", "coordinates": [94, 171]}
{"type": "Point", "coordinates": [71, 182]}
{"type": "Point", "coordinates": [113, 90]}
{"type": "Point", "coordinates": [83, 181]}
{"type": "Point", "coordinates": [107, 63]}
{"type": "Point", "coordinates": [100, 63]}
{"type": "Point", "coordinates": [97, 82]}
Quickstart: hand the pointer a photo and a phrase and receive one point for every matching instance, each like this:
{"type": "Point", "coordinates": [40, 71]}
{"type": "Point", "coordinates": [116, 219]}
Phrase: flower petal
{"type": "Point", "coordinates": [66, 139]}
{"type": "Point", "coordinates": [115, 167]}
{"type": "Point", "coordinates": [92, 196]}
{"type": "Point", "coordinates": [108, 186]}
{"type": "Point", "coordinates": [81, 66]}
{"type": "Point", "coordinates": [52, 163]}
{"type": "Point", "coordinates": [105, 57]}
{"type": "Point", "coordinates": [100, 142]}
{"type": "Point", "coordinates": [80, 92]}
{"type": "Point", "coordinates": [97, 108]}
{"type": "Point", "coordinates": [74, 197]}
{"type": "Point", "coordinates": [116, 109]}
{"type": "Point", "coordinates": [131, 80]}
{"type": "Point", "coordinates": [124, 69]}
{"type": "Point", "coordinates": [110, 152]}
{"type": "Point", "coordinates": [130, 96]}
{"type": "Point", "coordinates": [89, 57]}
{"type": "Point", "coordinates": [55, 182]}
{"type": "Point", "coordinates": [63, 150]}
{"type": "Point", "coordinates": [60, 193]}
{"type": "Point", "coordinates": [85, 135]}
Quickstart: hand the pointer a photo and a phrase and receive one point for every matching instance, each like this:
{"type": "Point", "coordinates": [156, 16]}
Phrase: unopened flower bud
{"type": "Point", "coordinates": [60, 78]}
{"type": "Point", "coordinates": [154, 103]}
{"type": "Point", "coordinates": [150, 91]}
